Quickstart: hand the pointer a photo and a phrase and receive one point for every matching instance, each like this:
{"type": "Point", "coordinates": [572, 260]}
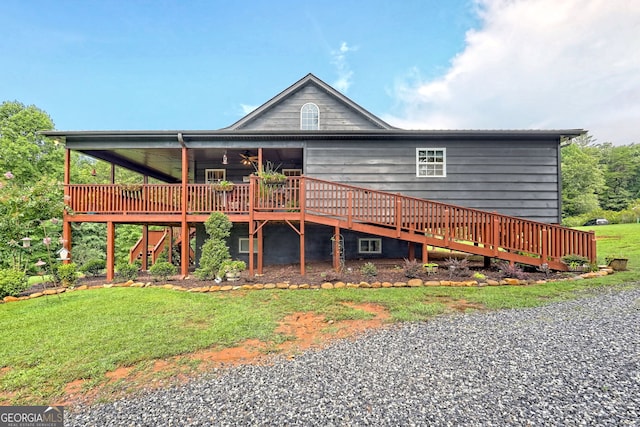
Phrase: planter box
{"type": "Point", "coordinates": [618, 264]}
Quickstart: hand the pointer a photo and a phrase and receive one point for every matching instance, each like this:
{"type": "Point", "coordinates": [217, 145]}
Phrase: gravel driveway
{"type": "Point", "coordinates": [570, 363]}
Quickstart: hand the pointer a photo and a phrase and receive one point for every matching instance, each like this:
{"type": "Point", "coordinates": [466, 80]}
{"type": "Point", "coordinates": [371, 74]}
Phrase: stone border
{"type": "Point", "coordinates": [411, 283]}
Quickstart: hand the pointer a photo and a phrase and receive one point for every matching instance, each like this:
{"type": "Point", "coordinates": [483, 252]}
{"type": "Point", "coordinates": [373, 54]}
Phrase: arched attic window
{"type": "Point", "coordinates": [309, 117]}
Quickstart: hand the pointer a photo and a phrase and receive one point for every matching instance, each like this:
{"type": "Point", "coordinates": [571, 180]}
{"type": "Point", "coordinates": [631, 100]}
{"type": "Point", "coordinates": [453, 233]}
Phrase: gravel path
{"type": "Point", "coordinates": [570, 363]}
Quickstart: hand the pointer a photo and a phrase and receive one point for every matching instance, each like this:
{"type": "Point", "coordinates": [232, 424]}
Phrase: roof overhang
{"type": "Point", "coordinates": [158, 153]}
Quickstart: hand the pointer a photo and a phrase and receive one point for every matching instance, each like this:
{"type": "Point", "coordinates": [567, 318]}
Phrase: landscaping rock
{"type": "Point", "coordinates": [415, 283]}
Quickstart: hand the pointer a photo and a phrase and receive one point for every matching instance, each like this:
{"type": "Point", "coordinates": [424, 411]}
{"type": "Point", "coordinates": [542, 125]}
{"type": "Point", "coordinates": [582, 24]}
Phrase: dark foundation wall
{"type": "Point", "coordinates": [282, 244]}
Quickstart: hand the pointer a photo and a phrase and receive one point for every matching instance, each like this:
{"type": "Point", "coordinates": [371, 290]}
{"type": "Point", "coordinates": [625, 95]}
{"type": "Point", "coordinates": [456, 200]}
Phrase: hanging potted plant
{"type": "Point", "coordinates": [270, 174]}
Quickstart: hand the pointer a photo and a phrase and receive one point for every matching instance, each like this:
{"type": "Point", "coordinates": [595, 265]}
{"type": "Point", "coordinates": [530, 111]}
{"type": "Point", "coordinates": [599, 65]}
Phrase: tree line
{"type": "Point", "coordinates": [600, 181]}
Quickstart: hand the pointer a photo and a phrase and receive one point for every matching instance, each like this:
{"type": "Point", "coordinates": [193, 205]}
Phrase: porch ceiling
{"type": "Point", "coordinates": [166, 163]}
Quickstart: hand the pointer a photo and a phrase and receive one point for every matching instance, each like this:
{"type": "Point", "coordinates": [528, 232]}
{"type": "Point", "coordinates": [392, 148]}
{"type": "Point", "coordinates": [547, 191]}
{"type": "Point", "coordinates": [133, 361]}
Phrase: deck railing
{"type": "Point", "coordinates": [349, 204]}
{"type": "Point", "coordinates": [446, 222]}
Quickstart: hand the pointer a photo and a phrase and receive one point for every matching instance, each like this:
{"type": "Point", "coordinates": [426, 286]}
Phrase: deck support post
{"type": "Point", "coordinates": [145, 247]}
{"type": "Point", "coordinates": [260, 251]}
{"type": "Point", "coordinates": [425, 253]}
{"type": "Point", "coordinates": [170, 246]}
{"type": "Point", "coordinates": [111, 249]}
{"type": "Point", "coordinates": [184, 230]}
{"type": "Point", "coordinates": [412, 251]}
{"type": "Point", "coordinates": [336, 248]}
{"type": "Point", "coordinates": [302, 200]}
{"type": "Point", "coordinates": [66, 224]}
{"type": "Point", "coordinates": [252, 225]}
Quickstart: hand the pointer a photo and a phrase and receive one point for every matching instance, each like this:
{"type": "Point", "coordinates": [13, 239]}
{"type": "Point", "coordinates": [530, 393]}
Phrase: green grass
{"type": "Point", "coordinates": [617, 239]}
{"type": "Point", "coordinates": [51, 341]}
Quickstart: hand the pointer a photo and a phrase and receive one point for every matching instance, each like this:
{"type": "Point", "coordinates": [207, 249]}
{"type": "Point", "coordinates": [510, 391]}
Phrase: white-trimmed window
{"type": "Point", "coordinates": [431, 162]}
{"type": "Point", "coordinates": [243, 245]}
{"type": "Point", "coordinates": [309, 117]}
{"type": "Point", "coordinates": [292, 172]}
{"type": "Point", "coordinates": [214, 175]}
{"type": "Point", "coordinates": [370, 246]}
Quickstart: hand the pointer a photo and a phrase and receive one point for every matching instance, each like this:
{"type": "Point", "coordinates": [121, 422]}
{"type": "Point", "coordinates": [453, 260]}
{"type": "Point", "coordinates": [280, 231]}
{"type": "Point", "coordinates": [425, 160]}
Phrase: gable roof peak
{"type": "Point", "coordinates": [310, 78]}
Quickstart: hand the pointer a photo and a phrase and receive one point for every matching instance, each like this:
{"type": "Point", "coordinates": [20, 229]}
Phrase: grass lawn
{"type": "Point", "coordinates": [51, 341]}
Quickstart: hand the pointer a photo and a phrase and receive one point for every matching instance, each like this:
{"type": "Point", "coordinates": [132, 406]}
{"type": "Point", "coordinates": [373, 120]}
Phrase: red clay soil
{"type": "Point", "coordinates": [308, 329]}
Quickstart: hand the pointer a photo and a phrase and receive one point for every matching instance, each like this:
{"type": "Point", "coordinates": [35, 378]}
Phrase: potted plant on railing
{"type": "Point", "coordinates": [223, 186]}
{"type": "Point", "coordinates": [231, 269]}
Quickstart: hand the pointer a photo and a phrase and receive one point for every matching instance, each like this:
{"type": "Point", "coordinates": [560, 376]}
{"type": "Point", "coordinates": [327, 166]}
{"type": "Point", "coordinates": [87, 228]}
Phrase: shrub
{"type": "Point", "coordinates": [412, 268]}
{"type": "Point", "coordinates": [68, 274]}
{"type": "Point", "coordinates": [162, 270]}
{"type": "Point", "coordinates": [93, 267]}
{"type": "Point", "coordinates": [127, 271]}
{"type": "Point", "coordinates": [511, 271]}
{"type": "Point", "coordinates": [369, 269]}
{"type": "Point", "coordinates": [457, 266]}
{"type": "Point", "coordinates": [215, 250]}
{"type": "Point", "coordinates": [12, 282]}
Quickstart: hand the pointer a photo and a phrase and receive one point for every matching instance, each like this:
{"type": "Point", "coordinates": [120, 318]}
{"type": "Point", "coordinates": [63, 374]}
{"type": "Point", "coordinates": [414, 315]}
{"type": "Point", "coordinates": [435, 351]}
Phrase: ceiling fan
{"type": "Point", "coordinates": [247, 158]}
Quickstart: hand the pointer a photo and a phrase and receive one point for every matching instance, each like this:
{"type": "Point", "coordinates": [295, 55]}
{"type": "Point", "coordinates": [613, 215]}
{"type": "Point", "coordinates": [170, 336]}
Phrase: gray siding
{"type": "Point", "coordinates": [518, 178]}
{"type": "Point", "coordinates": [282, 244]}
{"type": "Point", "coordinates": [334, 115]}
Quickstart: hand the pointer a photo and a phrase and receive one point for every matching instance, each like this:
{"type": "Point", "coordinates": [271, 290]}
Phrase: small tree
{"type": "Point", "coordinates": [215, 250]}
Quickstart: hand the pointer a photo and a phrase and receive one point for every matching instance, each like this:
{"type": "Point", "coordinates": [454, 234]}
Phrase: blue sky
{"type": "Point", "coordinates": [455, 64]}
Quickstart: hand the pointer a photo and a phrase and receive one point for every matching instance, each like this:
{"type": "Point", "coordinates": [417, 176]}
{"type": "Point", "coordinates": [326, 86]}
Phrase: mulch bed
{"type": "Point", "coordinates": [388, 270]}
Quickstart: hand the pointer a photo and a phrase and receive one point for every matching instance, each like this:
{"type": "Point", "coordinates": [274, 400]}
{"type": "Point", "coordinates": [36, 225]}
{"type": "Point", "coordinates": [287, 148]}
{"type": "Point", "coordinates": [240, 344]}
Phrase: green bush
{"type": "Point", "coordinates": [369, 269]}
{"type": "Point", "coordinates": [162, 270]}
{"type": "Point", "coordinates": [93, 267]}
{"type": "Point", "coordinates": [68, 274]}
{"type": "Point", "coordinates": [12, 282]}
{"type": "Point", "coordinates": [215, 250]}
{"type": "Point", "coordinates": [127, 271]}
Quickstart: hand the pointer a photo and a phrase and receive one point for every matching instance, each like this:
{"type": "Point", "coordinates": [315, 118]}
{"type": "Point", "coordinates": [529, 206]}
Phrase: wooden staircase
{"type": "Point", "coordinates": [157, 242]}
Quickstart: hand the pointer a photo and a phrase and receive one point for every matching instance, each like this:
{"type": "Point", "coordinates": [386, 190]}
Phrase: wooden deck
{"type": "Point", "coordinates": [342, 206]}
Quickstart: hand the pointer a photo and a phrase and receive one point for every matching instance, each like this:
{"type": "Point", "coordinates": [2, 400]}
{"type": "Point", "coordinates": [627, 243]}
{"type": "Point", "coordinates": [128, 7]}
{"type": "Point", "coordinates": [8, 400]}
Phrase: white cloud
{"type": "Point", "coordinates": [537, 64]}
{"type": "Point", "coordinates": [246, 109]}
{"type": "Point", "coordinates": [339, 60]}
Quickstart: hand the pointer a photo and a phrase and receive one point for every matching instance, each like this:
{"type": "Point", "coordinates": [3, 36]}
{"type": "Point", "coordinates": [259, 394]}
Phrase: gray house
{"type": "Point", "coordinates": [356, 185]}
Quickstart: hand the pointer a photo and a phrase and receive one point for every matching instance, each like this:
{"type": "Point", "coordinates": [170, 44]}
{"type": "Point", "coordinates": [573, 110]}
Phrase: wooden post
{"type": "Point", "coordinates": [495, 240]}
{"type": "Point", "coordinates": [145, 247]}
{"type": "Point", "coordinates": [592, 250]}
{"type": "Point", "coordinates": [336, 248]}
{"type": "Point", "coordinates": [412, 251]}
{"type": "Point", "coordinates": [170, 246]}
{"type": "Point", "coordinates": [260, 250]}
{"type": "Point", "coordinates": [544, 253]}
{"type": "Point", "coordinates": [425, 253]}
{"type": "Point", "coordinates": [184, 246]}
{"type": "Point", "coordinates": [66, 223]}
{"type": "Point", "coordinates": [349, 209]}
{"type": "Point", "coordinates": [252, 200]}
{"type": "Point", "coordinates": [301, 203]}
{"type": "Point", "coordinates": [111, 245]}
{"type": "Point", "coordinates": [398, 215]}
